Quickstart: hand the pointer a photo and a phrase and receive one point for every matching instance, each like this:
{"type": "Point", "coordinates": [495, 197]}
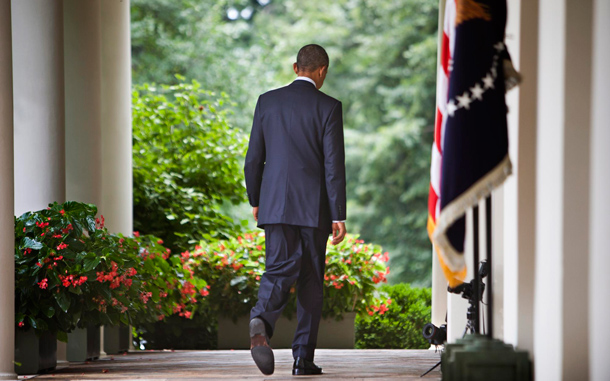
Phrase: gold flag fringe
{"type": "Point", "coordinates": [452, 261]}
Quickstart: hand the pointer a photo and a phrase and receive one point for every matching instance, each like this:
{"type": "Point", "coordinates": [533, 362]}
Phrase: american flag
{"type": "Point", "coordinates": [470, 150]}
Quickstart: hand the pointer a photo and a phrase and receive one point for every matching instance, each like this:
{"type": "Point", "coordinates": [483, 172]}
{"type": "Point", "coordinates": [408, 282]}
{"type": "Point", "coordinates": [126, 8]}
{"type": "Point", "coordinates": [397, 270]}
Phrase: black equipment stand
{"type": "Point", "coordinates": [474, 312]}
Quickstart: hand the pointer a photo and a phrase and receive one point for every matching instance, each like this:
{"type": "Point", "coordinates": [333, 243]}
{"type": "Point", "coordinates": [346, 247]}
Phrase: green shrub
{"type": "Point", "coordinates": [187, 162]}
{"type": "Point", "coordinates": [71, 272]}
{"type": "Point", "coordinates": [399, 323]}
{"type": "Point", "coordinates": [233, 269]}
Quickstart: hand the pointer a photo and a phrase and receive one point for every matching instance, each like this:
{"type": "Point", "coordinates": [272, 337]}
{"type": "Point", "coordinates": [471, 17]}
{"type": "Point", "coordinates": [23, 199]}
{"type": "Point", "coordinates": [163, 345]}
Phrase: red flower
{"type": "Point", "coordinates": [39, 264]}
{"type": "Point", "coordinates": [160, 242]}
{"type": "Point", "coordinates": [21, 324]}
{"type": "Point", "coordinates": [204, 292]}
{"type": "Point", "coordinates": [136, 234]}
{"type": "Point", "coordinates": [62, 212]}
{"type": "Point", "coordinates": [382, 309]}
{"type": "Point", "coordinates": [187, 314]}
{"type": "Point", "coordinates": [61, 246]}
{"type": "Point", "coordinates": [43, 283]}
{"type": "Point", "coordinates": [259, 247]}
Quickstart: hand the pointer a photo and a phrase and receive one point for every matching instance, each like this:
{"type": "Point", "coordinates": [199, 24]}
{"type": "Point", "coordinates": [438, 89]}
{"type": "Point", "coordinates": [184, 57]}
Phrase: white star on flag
{"type": "Point", "coordinates": [488, 81]}
{"type": "Point", "coordinates": [464, 100]}
{"type": "Point", "coordinates": [477, 92]}
{"type": "Point", "coordinates": [451, 107]}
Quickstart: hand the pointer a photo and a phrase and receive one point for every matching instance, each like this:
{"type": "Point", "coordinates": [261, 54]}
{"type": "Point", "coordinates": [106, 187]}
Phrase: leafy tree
{"type": "Point", "coordinates": [382, 67]}
{"type": "Point", "coordinates": [187, 163]}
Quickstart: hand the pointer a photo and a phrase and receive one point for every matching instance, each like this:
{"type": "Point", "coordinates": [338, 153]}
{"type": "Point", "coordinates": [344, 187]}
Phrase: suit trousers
{"type": "Point", "coordinates": [293, 254]}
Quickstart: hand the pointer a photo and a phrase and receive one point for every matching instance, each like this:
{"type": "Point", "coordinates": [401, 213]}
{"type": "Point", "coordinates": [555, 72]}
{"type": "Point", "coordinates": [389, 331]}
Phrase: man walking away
{"type": "Point", "coordinates": [295, 178]}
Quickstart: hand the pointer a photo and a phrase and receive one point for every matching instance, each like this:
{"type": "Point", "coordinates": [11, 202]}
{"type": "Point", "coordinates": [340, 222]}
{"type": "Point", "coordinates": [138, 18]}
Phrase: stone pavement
{"type": "Point", "coordinates": [369, 364]}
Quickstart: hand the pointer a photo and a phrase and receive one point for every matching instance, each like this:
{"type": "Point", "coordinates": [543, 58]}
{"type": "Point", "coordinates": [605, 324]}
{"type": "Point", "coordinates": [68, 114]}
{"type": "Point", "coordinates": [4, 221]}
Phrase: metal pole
{"type": "Point", "coordinates": [475, 287]}
{"type": "Point", "coordinates": [490, 295]}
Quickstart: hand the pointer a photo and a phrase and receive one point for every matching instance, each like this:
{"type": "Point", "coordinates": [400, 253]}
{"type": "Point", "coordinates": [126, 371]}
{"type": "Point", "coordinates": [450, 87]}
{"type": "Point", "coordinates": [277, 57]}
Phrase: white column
{"type": "Point", "coordinates": [497, 237]}
{"type": "Point", "coordinates": [561, 308]}
{"type": "Point", "coordinates": [520, 188]}
{"type": "Point", "coordinates": [599, 265]}
{"type": "Point", "coordinates": [7, 229]}
{"type": "Point", "coordinates": [83, 66]}
{"type": "Point", "coordinates": [117, 198]}
{"type": "Point", "coordinates": [82, 46]}
{"type": "Point", "coordinates": [38, 103]}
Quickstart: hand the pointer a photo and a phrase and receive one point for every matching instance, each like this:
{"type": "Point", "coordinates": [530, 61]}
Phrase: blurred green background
{"type": "Point", "coordinates": [382, 67]}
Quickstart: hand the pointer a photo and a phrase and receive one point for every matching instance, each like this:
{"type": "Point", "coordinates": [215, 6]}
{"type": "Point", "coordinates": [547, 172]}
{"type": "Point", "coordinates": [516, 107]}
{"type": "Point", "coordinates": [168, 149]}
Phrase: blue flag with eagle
{"type": "Point", "coordinates": [475, 141]}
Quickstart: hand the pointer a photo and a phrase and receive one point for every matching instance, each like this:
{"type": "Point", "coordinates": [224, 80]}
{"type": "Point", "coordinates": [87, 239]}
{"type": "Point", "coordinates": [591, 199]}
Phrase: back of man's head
{"type": "Point", "coordinates": [311, 57]}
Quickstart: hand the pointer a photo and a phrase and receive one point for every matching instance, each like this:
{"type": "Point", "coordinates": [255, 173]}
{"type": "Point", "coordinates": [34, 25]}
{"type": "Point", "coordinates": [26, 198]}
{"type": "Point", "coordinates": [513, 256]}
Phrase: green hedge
{"type": "Point", "coordinates": [401, 325]}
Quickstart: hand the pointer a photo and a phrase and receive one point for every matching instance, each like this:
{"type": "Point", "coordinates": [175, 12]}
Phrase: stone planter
{"type": "Point", "coordinates": [84, 344]}
{"type": "Point", "coordinates": [116, 339]}
{"type": "Point", "coordinates": [333, 334]}
{"type": "Point", "coordinates": [35, 354]}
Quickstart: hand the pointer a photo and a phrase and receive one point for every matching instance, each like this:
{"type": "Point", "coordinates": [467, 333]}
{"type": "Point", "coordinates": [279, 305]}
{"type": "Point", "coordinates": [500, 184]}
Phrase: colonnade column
{"type": "Point", "coordinates": [38, 59]}
{"type": "Point", "coordinates": [117, 179]}
{"type": "Point", "coordinates": [83, 66]}
{"type": "Point", "coordinates": [39, 107]}
{"type": "Point", "coordinates": [82, 46]}
{"type": "Point", "coordinates": [561, 309]}
{"type": "Point", "coordinates": [7, 229]}
{"type": "Point", "coordinates": [520, 188]}
{"type": "Point", "coordinates": [117, 176]}
{"type": "Point", "coordinates": [599, 265]}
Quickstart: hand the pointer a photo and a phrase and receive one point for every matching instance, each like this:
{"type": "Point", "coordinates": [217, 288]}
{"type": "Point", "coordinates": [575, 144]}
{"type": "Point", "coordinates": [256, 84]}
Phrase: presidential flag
{"type": "Point", "coordinates": [471, 139]}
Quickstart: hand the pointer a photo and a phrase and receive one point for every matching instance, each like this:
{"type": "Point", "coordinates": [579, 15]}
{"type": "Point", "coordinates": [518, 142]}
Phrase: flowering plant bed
{"type": "Point", "coordinates": [70, 272]}
{"type": "Point", "coordinates": [233, 269]}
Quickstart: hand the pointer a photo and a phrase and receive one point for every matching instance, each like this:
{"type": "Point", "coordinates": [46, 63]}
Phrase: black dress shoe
{"type": "Point", "coordinates": [259, 347]}
{"type": "Point", "coordinates": [304, 367]}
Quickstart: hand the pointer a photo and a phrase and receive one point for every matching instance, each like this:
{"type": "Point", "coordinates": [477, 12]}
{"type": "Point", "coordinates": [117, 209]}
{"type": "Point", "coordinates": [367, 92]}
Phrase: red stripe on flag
{"type": "Point", "coordinates": [445, 54]}
{"type": "Point", "coordinates": [432, 200]}
{"type": "Point", "coordinates": [437, 130]}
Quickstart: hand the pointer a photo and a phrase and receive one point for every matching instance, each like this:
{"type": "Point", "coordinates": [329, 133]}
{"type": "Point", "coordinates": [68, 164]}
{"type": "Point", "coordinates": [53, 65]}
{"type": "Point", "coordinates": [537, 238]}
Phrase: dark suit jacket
{"type": "Point", "coordinates": [295, 165]}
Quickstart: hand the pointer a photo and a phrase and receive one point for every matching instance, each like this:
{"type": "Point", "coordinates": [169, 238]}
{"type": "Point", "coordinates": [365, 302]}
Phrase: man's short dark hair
{"type": "Point", "coordinates": [311, 57]}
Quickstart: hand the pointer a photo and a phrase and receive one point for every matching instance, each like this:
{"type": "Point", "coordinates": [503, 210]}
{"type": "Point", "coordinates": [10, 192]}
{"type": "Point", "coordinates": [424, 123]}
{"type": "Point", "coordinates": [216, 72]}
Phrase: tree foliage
{"type": "Point", "coordinates": [382, 67]}
{"type": "Point", "coordinates": [187, 163]}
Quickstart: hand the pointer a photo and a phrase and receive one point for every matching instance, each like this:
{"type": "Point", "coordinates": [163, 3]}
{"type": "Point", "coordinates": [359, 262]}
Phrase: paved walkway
{"type": "Point", "coordinates": [370, 364]}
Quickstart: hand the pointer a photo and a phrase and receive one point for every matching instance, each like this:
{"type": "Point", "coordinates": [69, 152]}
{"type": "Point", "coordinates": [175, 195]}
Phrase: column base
{"type": "Point", "coordinates": [8, 376]}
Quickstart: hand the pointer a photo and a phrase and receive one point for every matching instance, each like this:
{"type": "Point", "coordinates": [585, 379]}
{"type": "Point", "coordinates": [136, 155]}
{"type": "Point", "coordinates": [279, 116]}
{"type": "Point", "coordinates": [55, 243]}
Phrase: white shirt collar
{"type": "Point", "coordinates": [300, 78]}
